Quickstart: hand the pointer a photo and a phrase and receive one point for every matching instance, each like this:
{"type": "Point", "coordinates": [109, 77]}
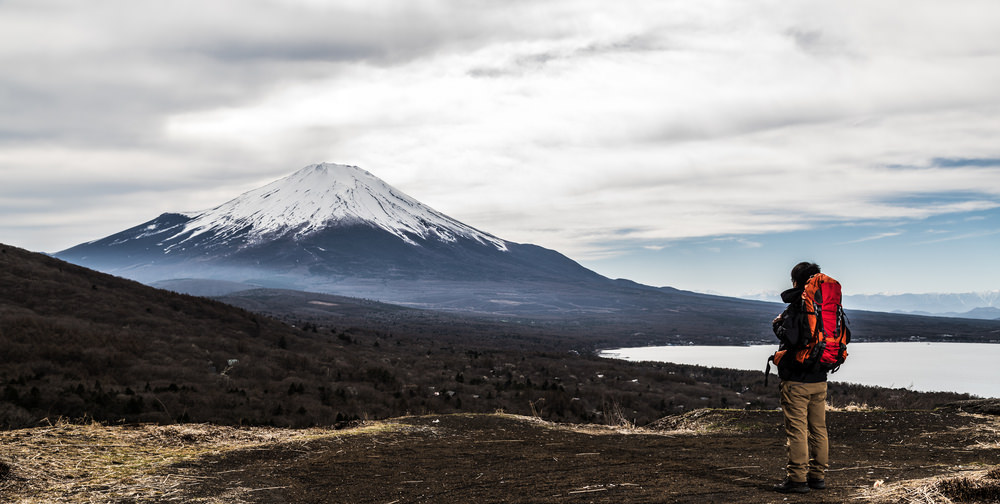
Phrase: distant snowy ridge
{"type": "Point", "coordinates": [932, 303]}
{"type": "Point", "coordinates": [321, 196]}
{"type": "Point", "coordinates": [952, 304]}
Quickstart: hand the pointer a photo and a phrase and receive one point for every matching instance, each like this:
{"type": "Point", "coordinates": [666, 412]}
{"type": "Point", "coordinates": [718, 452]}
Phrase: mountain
{"type": "Point", "coordinates": [329, 228]}
{"type": "Point", "coordinates": [319, 197]}
{"type": "Point", "coordinates": [984, 313]}
{"type": "Point", "coordinates": [953, 304]}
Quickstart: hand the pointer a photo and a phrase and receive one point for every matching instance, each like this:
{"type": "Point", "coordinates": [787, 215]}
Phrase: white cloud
{"type": "Point", "coordinates": [877, 236]}
{"type": "Point", "coordinates": [963, 236]}
{"type": "Point", "coordinates": [581, 126]}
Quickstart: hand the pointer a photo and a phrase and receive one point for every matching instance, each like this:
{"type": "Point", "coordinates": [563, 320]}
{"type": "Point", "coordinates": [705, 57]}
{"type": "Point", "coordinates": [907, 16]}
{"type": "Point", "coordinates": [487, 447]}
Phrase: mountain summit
{"type": "Point", "coordinates": [328, 228]}
{"type": "Point", "coordinates": [321, 196]}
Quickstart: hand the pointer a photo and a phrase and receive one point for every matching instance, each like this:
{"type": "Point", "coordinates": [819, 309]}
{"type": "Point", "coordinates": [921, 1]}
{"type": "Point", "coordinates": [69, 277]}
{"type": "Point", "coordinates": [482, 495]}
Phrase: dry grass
{"type": "Point", "coordinates": [591, 429]}
{"type": "Point", "coordinates": [852, 406]}
{"type": "Point", "coordinates": [74, 463]}
{"type": "Point", "coordinates": [981, 437]}
{"type": "Point", "coordinates": [967, 487]}
{"type": "Point", "coordinates": [717, 421]}
{"type": "Point", "coordinates": [960, 485]}
{"type": "Point", "coordinates": [614, 416]}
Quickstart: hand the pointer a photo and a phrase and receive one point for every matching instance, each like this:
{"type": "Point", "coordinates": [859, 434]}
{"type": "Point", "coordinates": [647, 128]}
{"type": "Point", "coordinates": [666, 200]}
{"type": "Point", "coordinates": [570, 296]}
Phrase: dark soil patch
{"type": "Point", "coordinates": [724, 456]}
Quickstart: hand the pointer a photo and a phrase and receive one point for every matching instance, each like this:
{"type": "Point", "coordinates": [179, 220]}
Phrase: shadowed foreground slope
{"type": "Point", "coordinates": [703, 456]}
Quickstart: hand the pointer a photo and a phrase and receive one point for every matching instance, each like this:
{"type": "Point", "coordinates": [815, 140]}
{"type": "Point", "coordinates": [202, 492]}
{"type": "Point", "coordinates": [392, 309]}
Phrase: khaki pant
{"type": "Point", "coordinates": [804, 406]}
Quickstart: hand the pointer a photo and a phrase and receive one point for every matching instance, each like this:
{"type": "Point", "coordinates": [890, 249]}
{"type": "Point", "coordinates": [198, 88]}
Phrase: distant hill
{"type": "Point", "coordinates": [201, 287]}
{"type": "Point", "coordinates": [658, 317]}
{"type": "Point", "coordinates": [978, 305]}
{"type": "Point", "coordinates": [983, 313]}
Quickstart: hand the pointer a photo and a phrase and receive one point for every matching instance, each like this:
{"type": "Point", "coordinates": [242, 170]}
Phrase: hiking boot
{"type": "Point", "coordinates": [789, 486]}
{"type": "Point", "coordinates": [816, 484]}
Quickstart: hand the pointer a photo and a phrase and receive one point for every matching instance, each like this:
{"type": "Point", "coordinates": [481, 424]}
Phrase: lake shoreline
{"type": "Point", "coordinates": [919, 366]}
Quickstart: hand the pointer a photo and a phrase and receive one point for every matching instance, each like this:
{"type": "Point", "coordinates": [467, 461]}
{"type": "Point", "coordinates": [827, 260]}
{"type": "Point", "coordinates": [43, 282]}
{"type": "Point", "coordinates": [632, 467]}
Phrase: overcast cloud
{"type": "Point", "coordinates": [590, 127]}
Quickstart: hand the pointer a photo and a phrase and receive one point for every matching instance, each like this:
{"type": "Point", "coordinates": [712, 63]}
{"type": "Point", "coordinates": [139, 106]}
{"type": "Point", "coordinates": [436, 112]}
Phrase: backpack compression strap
{"type": "Point", "coordinates": [775, 358]}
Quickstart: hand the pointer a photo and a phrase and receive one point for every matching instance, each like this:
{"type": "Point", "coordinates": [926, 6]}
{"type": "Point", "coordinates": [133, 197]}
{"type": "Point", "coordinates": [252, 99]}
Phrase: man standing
{"type": "Point", "coordinates": [803, 395]}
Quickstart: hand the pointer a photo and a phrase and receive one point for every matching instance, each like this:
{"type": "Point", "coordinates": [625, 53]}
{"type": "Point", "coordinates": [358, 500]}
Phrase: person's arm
{"type": "Point", "coordinates": [777, 323]}
{"type": "Point", "coordinates": [780, 326]}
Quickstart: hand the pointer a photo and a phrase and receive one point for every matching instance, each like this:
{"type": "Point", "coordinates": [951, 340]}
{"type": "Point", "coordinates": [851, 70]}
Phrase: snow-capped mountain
{"type": "Point", "coordinates": [321, 196]}
{"type": "Point", "coordinates": [965, 304]}
{"type": "Point", "coordinates": [326, 227]}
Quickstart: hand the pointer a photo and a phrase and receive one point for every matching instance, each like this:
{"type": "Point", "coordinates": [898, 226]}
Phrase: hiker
{"type": "Point", "coordinates": [803, 395]}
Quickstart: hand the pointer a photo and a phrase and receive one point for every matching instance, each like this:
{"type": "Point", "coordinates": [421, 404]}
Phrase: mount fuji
{"type": "Point", "coordinates": [340, 230]}
{"type": "Point", "coordinates": [328, 228]}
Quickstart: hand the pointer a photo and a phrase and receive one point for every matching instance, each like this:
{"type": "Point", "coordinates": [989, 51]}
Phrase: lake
{"type": "Point", "coordinates": [951, 367]}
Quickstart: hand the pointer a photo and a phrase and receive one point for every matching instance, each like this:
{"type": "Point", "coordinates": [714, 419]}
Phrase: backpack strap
{"type": "Point", "coordinates": [775, 358]}
{"type": "Point", "coordinates": [767, 370]}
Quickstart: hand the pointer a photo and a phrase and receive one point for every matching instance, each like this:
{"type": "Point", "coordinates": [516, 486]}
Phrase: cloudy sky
{"type": "Point", "coordinates": [705, 145]}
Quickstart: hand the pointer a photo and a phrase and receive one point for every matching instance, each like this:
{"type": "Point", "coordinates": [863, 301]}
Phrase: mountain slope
{"type": "Point", "coordinates": [82, 343]}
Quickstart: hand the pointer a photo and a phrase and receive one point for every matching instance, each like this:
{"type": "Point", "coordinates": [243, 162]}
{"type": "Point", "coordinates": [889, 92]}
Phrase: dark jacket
{"type": "Point", "coordinates": [791, 336]}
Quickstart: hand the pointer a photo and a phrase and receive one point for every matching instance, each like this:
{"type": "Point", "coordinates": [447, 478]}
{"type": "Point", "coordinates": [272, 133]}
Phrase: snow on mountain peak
{"type": "Point", "coordinates": [324, 195]}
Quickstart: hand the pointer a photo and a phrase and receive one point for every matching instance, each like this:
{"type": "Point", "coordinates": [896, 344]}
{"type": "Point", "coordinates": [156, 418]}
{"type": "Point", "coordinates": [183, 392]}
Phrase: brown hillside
{"type": "Point", "coordinates": [78, 343]}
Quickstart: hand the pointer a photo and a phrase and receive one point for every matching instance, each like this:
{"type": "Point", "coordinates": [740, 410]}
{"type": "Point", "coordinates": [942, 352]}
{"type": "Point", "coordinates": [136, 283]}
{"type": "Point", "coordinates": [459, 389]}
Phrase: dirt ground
{"type": "Point", "coordinates": [726, 456]}
{"type": "Point", "coordinates": [707, 456]}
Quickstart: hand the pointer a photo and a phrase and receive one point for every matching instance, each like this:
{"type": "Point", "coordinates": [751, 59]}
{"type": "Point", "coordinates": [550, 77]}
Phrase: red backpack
{"type": "Point", "coordinates": [821, 318]}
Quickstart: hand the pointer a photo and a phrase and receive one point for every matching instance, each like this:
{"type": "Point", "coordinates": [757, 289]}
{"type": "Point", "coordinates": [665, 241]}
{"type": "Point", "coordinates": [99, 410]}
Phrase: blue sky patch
{"type": "Point", "coordinates": [965, 162]}
{"type": "Point", "coordinates": [944, 253]}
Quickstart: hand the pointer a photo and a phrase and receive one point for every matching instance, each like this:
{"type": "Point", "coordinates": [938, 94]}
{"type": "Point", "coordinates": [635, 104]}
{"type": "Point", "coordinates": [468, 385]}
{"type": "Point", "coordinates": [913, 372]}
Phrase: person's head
{"type": "Point", "coordinates": [802, 271]}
